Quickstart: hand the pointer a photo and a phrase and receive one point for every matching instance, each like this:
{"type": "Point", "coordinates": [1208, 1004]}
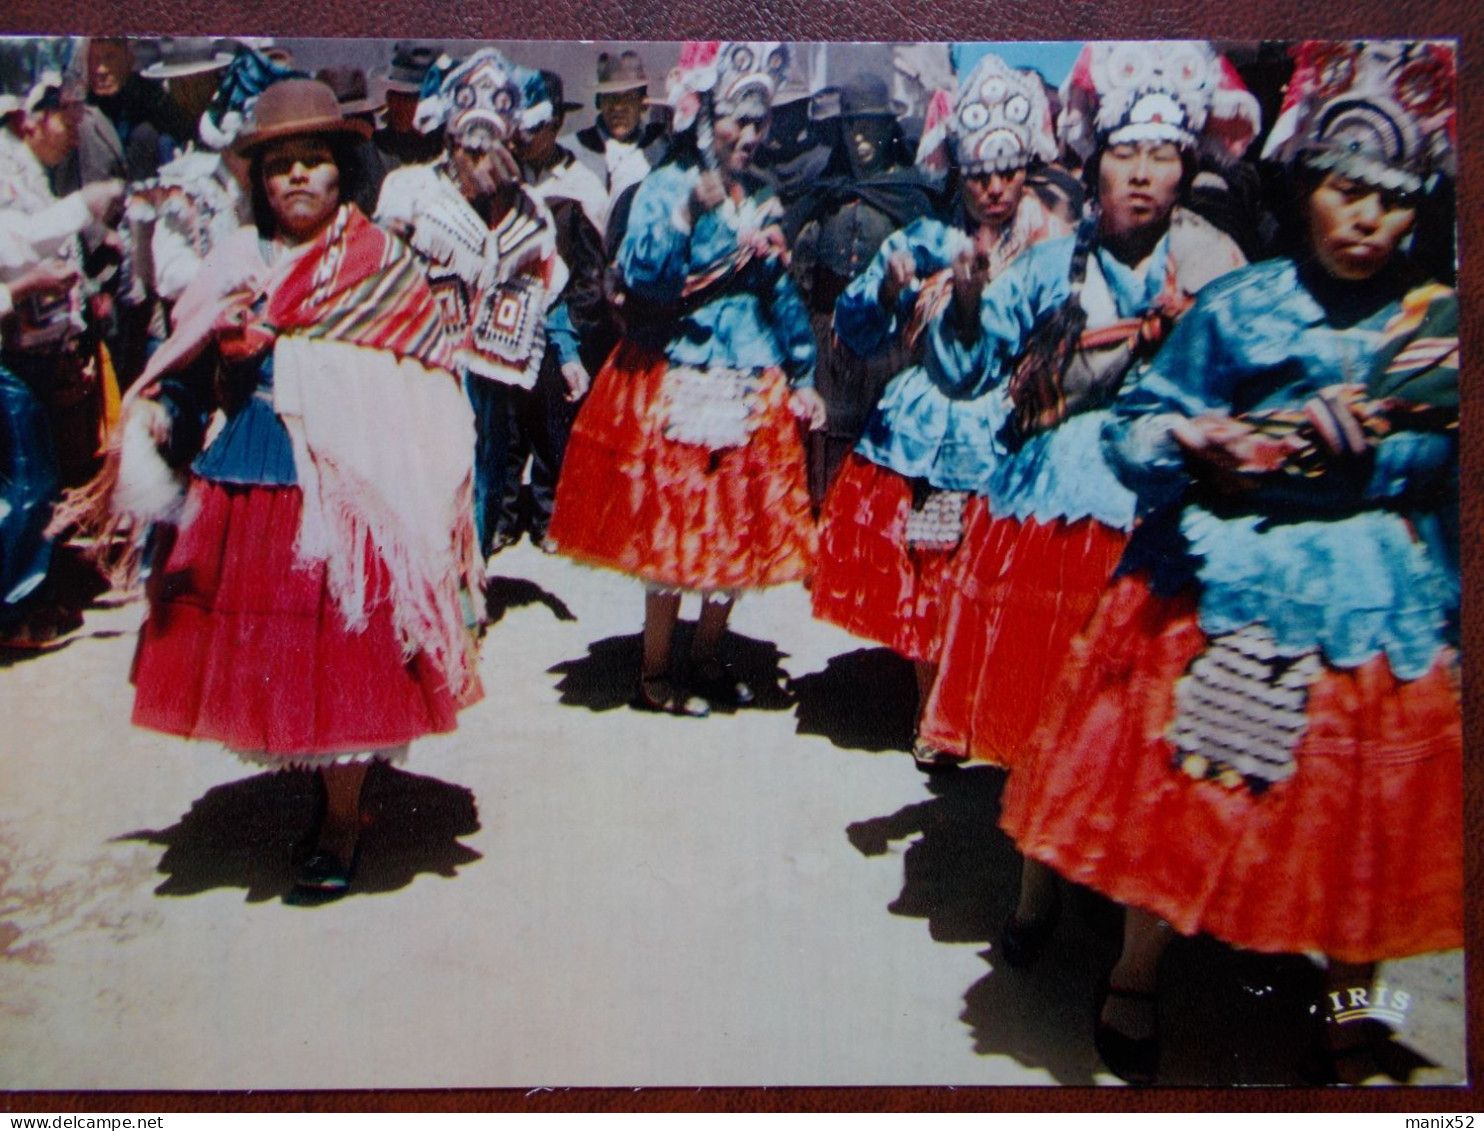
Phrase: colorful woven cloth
{"type": "Point", "coordinates": [1417, 359]}
{"type": "Point", "coordinates": [358, 285]}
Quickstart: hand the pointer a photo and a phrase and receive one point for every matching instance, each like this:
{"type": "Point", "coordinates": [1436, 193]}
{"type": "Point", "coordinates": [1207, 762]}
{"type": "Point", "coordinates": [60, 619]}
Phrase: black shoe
{"type": "Point", "coordinates": [1328, 1062]}
{"type": "Point", "coordinates": [1023, 943]}
{"type": "Point", "coordinates": [324, 876]}
{"type": "Point", "coordinates": [1134, 1059]}
{"type": "Point", "coordinates": [658, 695]}
{"type": "Point", "coordinates": [719, 684]}
{"type": "Point", "coordinates": [932, 759]}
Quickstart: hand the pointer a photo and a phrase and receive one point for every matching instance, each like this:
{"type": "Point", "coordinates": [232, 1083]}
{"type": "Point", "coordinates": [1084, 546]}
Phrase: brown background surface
{"type": "Point", "coordinates": [877, 20]}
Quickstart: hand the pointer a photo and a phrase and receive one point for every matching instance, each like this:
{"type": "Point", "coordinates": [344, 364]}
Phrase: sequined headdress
{"type": "Point", "coordinates": [1180, 91]}
{"type": "Point", "coordinates": [731, 74]}
{"type": "Point", "coordinates": [999, 121]}
{"type": "Point", "coordinates": [479, 100]}
{"type": "Point", "coordinates": [1380, 112]}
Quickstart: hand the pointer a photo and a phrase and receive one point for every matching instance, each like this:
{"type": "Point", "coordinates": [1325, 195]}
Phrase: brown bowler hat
{"type": "Point", "coordinates": [297, 108]}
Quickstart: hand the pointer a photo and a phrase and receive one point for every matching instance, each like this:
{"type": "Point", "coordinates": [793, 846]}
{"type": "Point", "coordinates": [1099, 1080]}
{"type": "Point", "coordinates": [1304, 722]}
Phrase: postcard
{"type": "Point", "coordinates": [729, 563]}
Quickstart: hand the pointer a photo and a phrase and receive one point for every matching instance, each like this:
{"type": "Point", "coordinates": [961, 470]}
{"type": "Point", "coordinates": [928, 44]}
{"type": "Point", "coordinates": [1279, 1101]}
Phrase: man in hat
{"type": "Point", "coordinates": [620, 146]}
{"type": "Point", "coordinates": [118, 137]}
{"type": "Point", "coordinates": [488, 244]}
{"type": "Point", "coordinates": [580, 328]}
{"type": "Point", "coordinates": [190, 68]}
{"type": "Point", "coordinates": [401, 142]}
{"type": "Point", "coordinates": [868, 190]}
{"type": "Point", "coordinates": [175, 219]}
{"type": "Point", "coordinates": [51, 376]}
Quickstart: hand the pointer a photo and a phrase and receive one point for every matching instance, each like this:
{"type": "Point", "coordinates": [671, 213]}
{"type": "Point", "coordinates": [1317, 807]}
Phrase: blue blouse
{"type": "Point", "coordinates": [1331, 561]}
{"type": "Point", "coordinates": [253, 446]}
{"type": "Point", "coordinates": [1059, 473]}
{"type": "Point", "coordinates": [919, 429]}
{"type": "Point", "coordinates": [755, 321]}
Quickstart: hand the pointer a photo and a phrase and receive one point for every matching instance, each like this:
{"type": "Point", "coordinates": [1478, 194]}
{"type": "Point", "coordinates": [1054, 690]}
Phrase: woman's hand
{"type": "Point", "coordinates": [808, 406]}
{"type": "Point", "coordinates": [901, 272]}
{"type": "Point", "coordinates": [1231, 450]}
{"type": "Point", "coordinates": [240, 334]}
{"type": "Point", "coordinates": [578, 379]}
{"type": "Point", "coordinates": [156, 419]}
{"type": "Point", "coordinates": [708, 194]}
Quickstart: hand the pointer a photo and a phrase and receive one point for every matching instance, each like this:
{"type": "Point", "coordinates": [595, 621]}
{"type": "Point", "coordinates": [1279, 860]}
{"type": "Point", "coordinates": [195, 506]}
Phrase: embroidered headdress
{"type": "Point", "coordinates": [1000, 121]}
{"type": "Point", "coordinates": [732, 74]}
{"type": "Point", "coordinates": [1380, 112]}
{"type": "Point", "coordinates": [480, 100]}
{"type": "Point", "coordinates": [1178, 91]}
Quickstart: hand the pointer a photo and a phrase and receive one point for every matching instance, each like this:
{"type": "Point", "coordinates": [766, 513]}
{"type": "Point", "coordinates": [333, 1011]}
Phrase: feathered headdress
{"type": "Point", "coordinates": [1381, 112]}
{"type": "Point", "coordinates": [247, 76]}
{"type": "Point", "coordinates": [1178, 91]}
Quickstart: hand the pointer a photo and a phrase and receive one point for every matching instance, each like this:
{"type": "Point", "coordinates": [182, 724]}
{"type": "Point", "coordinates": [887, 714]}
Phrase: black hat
{"type": "Point", "coordinates": [867, 96]}
{"type": "Point", "coordinates": [556, 93]}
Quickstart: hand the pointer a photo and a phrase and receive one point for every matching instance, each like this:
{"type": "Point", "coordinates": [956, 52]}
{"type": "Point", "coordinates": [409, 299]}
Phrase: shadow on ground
{"type": "Point", "coordinates": [862, 700]}
{"type": "Point", "coordinates": [608, 675]}
{"type": "Point", "coordinates": [72, 583]}
{"type": "Point", "coordinates": [1227, 1017]}
{"type": "Point", "coordinates": [501, 594]}
{"type": "Point", "coordinates": [245, 834]}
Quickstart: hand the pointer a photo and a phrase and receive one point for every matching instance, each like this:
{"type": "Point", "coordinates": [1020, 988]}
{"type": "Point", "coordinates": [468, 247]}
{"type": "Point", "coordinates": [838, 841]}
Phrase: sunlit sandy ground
{"type": "Point", "coordinates": [567, 892]}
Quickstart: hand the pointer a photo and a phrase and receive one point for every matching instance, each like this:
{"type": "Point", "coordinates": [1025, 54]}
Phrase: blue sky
{"type": "Point", "coordinates": [1053, 60]}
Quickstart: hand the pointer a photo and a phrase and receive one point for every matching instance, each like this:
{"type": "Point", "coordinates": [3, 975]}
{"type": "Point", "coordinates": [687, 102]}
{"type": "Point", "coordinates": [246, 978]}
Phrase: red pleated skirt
{"type": "Point", "coordinates": [868, 580]}
{"type": "Point", "coordinates": [1017, 594]}
{"type": "Point", "coordinates": [677, 514]}
{"type": "Point", "coordinates": [1359, 855]}
{"type": "Point", "coordinates": [244, 646]}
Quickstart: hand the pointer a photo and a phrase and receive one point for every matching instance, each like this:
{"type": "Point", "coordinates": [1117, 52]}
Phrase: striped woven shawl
{"type": "Point", "coordinates": [359, 285]}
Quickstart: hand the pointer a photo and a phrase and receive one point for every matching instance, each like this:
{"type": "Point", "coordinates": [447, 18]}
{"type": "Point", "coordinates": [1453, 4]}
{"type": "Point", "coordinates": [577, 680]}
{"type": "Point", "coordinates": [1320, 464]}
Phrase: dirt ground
{"type": "Point", "coordinates": [568, 892]}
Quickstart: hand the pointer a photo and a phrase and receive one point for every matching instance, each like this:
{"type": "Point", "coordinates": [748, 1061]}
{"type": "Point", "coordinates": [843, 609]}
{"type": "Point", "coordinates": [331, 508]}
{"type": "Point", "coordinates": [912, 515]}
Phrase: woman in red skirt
{"type": "Point", "coordinates": [1057, 334]}
{"type": "Point", "coordinates": [894, 517]}
{"type": "Point", "coordinates": [305, 608]}
{"type": "Point", "coordinates": [686, 464]}
{"type": "Point", "coordinates": [1258, 734]}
